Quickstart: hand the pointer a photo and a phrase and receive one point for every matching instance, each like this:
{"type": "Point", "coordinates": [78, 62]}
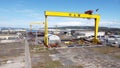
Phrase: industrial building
{"type": "Point", "coordinates": [88, 34]}
{"type": "Point", "coordinates": [9, 38]}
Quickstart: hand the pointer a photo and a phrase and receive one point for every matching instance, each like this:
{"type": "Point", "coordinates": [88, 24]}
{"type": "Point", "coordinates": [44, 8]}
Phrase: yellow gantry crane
{"type": "Point", "coordinates": [38, 23]}
{"type": "Point", "coordinates": [88, 15]}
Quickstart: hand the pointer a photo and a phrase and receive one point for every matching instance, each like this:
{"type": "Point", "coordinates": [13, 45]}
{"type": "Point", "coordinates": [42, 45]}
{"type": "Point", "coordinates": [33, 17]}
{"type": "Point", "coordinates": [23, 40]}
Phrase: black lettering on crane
{"type": "Point", "coordinates": [78, 15]}
{"type": "Point", "coordinates": [69, 14]}
{"type": "Point", "coordinates": [74, 15]}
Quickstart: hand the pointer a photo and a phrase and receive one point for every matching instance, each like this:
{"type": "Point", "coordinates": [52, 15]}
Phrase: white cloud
{"type": "Point", "coordinates": [23, 10]}
{"type": "Point", "coordinates": [14, 23]}
{"type": "Point", "coordinates": [20, 4]}
{"type": "Point", "coordinates": [115, 24]}
{"type": "Point", "coordinates": [82, 22]}
{"type": "Point", "coordinates": [73, 22]}
{"type": "Point", "coordinates": [20, 18]}
{"type": "Point", "coordinates": [28, 12]}
{"type": "Point", "coordinates": [68, 23]}
{"type": "Point", "coordinates": [28, 15]}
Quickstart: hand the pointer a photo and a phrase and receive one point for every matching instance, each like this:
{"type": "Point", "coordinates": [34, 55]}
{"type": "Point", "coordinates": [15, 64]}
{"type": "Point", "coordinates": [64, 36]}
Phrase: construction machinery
{"type": "Point", "coordinates": [87, 14]}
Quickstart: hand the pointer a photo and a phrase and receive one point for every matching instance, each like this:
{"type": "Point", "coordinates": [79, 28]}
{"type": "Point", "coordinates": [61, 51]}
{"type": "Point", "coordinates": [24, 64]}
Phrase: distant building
{"type": "Point", "coordinates": [8, 38]}
{"type": "Point", "coordinates": [82, 34]}
{"type": "Point", "coordinates": [12, 30]}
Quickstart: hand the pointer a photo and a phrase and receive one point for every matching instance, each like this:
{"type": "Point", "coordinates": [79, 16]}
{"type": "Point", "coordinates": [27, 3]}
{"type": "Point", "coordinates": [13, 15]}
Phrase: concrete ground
{"type": "Point", "coordinates": [86, 57]}
{"type": "Point", "coordinates": [95, 57]}
{"type": "Point", "coordinates": [12, 55]}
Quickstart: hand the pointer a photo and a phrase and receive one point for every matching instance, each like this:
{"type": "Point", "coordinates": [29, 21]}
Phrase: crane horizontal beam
{"type": "Point", "coordinates": [68, 14]}
{"type": "Point", "coordinates": [36, 23]}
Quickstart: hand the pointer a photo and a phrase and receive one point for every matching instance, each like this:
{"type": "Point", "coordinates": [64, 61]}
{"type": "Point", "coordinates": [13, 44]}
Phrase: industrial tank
{"type": "Point", "coordinates": [54, 40]}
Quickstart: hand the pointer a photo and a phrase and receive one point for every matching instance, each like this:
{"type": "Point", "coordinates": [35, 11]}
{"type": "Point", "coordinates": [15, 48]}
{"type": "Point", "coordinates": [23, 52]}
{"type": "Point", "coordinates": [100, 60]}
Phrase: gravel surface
{"type": "Point", "coordinates": [86, 58]}
{"type": "Point", "coordinates": [12, 55]}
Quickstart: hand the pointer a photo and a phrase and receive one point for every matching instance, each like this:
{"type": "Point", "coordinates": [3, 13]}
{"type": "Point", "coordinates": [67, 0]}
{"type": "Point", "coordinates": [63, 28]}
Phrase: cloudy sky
{"type": "Point", "coordinates": [19, 13]}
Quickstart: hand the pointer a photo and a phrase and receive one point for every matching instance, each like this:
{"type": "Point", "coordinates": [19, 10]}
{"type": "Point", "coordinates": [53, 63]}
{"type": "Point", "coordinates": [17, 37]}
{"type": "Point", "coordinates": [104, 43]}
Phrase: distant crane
{"type": "Point", "coordinates": [39, 23]}
{"type": "Point", "coordinates": [32, 23]}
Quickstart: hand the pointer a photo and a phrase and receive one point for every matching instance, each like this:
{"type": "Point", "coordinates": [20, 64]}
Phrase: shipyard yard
{"type": "Point", "coordinates": [12, 56]}
{"type": "Point", "coordinates": [30, 52]}
{"type": "Point", "coordinates": [61, 47]}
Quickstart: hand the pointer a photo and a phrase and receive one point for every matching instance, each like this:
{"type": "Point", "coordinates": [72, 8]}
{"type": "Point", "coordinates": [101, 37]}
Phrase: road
{"type": "Point", "coordinates": [27, 55]}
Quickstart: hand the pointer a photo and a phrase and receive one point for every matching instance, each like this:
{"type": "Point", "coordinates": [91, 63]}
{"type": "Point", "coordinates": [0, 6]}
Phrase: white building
{"type": "Point", "coordinates": [82, 34]}
{"type": "Point", "coordinates": [9, 38]}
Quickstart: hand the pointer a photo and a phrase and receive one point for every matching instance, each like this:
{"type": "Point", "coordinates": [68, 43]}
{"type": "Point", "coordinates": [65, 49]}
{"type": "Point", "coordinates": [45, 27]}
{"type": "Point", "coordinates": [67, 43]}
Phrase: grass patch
{"type": "Point", "coordinates": [37, 48]}
{"type": "Point", "coordinates": [117, 56]}
{"type": "Point", "coordinates": [106, 50]}
{"type": "Point", "coordinates": [111, 51]}
{"type": "Point", "coordinates": [47, 61]}
{"type": "Point", "coordinates": [80, 66]}
{"type": "Point", "coordinates": [44, 54]}
{"type": "Point", "coordinates": [53, 64]}
{"type": "Point", "coordinates": [49, 64]}
{"type": "Point", "coordinates": [54, 51]}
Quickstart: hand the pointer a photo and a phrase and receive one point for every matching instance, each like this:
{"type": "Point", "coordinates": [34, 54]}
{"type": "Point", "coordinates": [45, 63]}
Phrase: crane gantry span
{"type": "Point", "coordinates": [96, 17]}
